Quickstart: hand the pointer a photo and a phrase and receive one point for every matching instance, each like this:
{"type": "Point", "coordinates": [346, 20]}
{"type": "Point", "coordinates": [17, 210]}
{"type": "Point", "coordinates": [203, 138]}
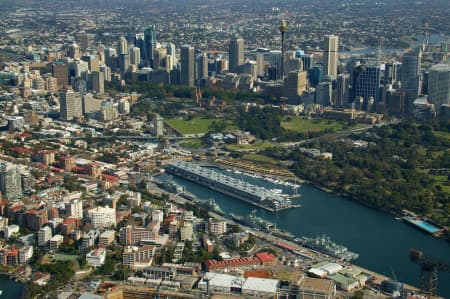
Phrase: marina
{"type": "Point", "coordinates": [382, 242]}
{"type": "Point", "coordinates": [271, 200]}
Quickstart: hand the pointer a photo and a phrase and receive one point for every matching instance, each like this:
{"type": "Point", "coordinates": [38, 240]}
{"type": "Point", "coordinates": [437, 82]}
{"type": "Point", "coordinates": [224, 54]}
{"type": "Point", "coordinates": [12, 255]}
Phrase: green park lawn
{"type": "Point", "coordinates": [196, 125]}
{"type": "Point", "coordinates": [301, 125]}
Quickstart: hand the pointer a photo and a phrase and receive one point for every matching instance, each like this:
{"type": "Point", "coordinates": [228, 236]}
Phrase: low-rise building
{"type": "Point", "coordinates": [138, 256]}
{"type": "Point", "coordinates": [315, 288]}
{"type": "Point", "coordinates": [96, 258]}
{"type": "Point", "coordinates": [260, 287]}
{"type": "Point", "coordinates": [55, 242]}
{"type": "Point", "coordinates": [106, 238]}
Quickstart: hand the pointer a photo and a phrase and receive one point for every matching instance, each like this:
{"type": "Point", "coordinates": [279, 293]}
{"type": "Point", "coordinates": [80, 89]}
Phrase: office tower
{"type": "Point", "coordinates": [139, 42]}
{"type": "Point", "coordinates": [201, 67]}
{"type": "Point", "coordinates": [250, 67]}
{"type": "Point", "coordinates": [60, 71]}
{"type": "Point", "coordinates": [392, 72]}
{"type": "Point", "coordinates": [10, 181]}
{"type": "Point", "coordinates": [236, 54]}
{"type": "Point", "coordinates": [98, 82]}
{"type": "Point", "coordinates": [330, 55]}
{"type": "Point", "coordinates": [74, 51]}
{"type": "Point", "coordinates": [410, 71]}
{"type": "Point", "coordinates": [275, 62]}
{"type": "Point", "coordinates": [93, 62]}
{"type": "Point", "coordinates": [187, 65]}
{"type": "Point", "coordinates": [395, 103]}
{"type": "Point", "coordinates": [84, 41]}
{"type": "Point", "coordinates": [80, 69]}
{"type": "Point", "coordinates": [366, 82]}
{"type": "Point", "coordinates": [308, 61]}
{"type": "Point", "coordinates": [295, 84]}
{"type": "Point", "coordinates": [124, 63]}
{"type": "Point", "coordinates": [122, 46]}
{"type": "Point", "coordinates": [315, 75]}
{"type": "Point", "coordinates": [150, 44]}
{"type": "Point", "coordinates": [171, 50]}
{"type": "Point", "coordinates": [135, 57]}
{"type": "Point", "coordinates": [283, 30]}
{"type": "Point", "coordinates": [110, 54]}
{"type": "Point", "coordinates": [70, 105]}
{"type": "Point", "coordinates": [159, 58]}
{"type": "Point", "coordinates": [439, 85]}
{"type": "Point", "coordinates": [324, 93]}
{"type": "Point", "coordinates": [158, 124]}
{"type": "Point", "coordinates": [293, 64]}
{"type": "Point", "coordinates": [101, 54]}
{"type": "Point", "coordinates": [342, 87]}
{"type": "Point", "coordinates": [106, 71]}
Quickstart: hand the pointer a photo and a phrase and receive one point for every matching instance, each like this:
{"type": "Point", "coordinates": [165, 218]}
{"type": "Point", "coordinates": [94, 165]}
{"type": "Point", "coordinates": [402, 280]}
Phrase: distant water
{"type": "Point", "coordinates": [10, 288]}
{"type": "Point", "coordinates": [382, 242]}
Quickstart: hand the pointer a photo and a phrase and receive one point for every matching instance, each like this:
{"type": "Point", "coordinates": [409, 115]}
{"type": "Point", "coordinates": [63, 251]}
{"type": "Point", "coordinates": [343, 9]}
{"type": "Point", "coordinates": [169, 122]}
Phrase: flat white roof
{"type": "Point", "coordinates": [221, 280]}
{"type": "Point", "coordinates": [331, 268]}
{"type": "Point", "coordinates": [261, 285]}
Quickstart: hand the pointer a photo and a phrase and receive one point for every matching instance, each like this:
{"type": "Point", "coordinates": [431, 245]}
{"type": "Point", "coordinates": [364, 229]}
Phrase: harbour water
{"type": "Point", "coordinates": [10, 288]}
{"type": "Point", "coordinates": [382, 242]}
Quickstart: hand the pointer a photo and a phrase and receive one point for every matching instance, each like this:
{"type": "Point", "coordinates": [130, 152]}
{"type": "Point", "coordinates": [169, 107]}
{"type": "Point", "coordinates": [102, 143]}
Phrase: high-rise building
{"type": "Point", "coordinates": [159, 58]}
{"type": "Point", "coordinates": [70, 105]}
{"type": "Point", "coordinates": [330, 55]}
{"type": "Point", "coordinates": [187, 65]}
{"type": "Point", "coordinates": [73, 51]}
{"type": "Point", "coordinates": [93, 62]}
{"type": "Point", "coordinates": [410, 71]}
{"type": "Point", "coordinates": [98, 82]}
{"type": "Point", "coordinates": [392, 72]}
{"type": "Point", "coordinates": [122, 46]}
{"type": "Point", "coordinates": [283, 30]}
{"type": "Point", "coordinates": [308, 61]}
{"type": "Point", "coordinates": [439, 85]}
{"type": "Point", "coordinates": [342, 87]}
{"type": "Point", "coordinates": [90, 104]}
{"type": "Point", "coordinates": [236, 54]}
{"type": "Point", "coordinates": [139, 42]}
{"type": "Point", "coordinates": [315, 75]}
{"type": "Point", "coordinates": [275, 62]}
{"type": "Point", "coordinates": [124, 63]}
{"type": "Point", "coordinates": [84, 41]}
{"type": "Point", "coordinates": [366, 82]}
{"type": "Point", "coordinates": [201, 67]}
{"type": "Point", "coordinates": [135, 57]}
{"type": "Point", "coordinates": [10, 181]}
{"type": "Point", "coordinates": [294, 84]}
{"type": "Point", "coordinates": [324, 93]}
{"type": "Point", "coordinates": [171, 50]}
{"type": "Point", "coordinates": [150, 44]}
{"type": "Point", "coordinates": [60, 71]}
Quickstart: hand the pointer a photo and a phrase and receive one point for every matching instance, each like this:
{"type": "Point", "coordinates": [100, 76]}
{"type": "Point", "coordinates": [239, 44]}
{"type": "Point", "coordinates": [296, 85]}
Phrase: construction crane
{"type": "Point", "coordinates": [429, 270]}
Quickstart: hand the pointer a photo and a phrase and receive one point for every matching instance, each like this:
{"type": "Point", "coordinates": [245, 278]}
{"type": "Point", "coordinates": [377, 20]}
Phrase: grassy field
{"type": "Point", "coordinates": [310, 125]}
{"type": "Point", "coordinates": [192, 143]}
{"type": "Point", "coordinates": [196, 125]}
{"type": "Point", "coordinates": [443, 181]}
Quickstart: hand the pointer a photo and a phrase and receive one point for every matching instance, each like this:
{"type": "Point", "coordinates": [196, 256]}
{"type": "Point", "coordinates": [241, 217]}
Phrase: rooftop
{"type": "Point", "coordinates": [261, 284]}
